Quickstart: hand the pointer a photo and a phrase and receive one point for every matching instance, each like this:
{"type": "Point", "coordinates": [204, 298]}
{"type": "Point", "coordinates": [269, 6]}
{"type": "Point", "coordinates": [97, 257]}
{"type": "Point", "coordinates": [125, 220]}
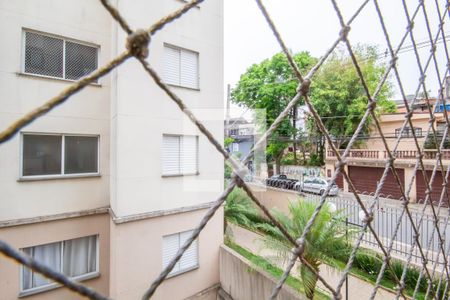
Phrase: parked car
{"type": "Point", "coordinates": [281, 181]}
{"type": "Point", "coordinates": [316, 185]}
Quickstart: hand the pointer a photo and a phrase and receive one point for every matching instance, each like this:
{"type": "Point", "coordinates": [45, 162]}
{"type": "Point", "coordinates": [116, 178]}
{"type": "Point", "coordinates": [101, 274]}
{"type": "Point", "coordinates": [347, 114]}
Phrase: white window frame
{"type": "Point", "coordinates": [64, 39]}
{"type": "Point", "coordinates": [55, 285]}
{"type": "Point", "coordinates": [62, 174]}
{"type": "Point", "coordinates": [181, 271]}
{"type": "Point", "coordinates": [179, 66]}
{"type": "Point", "coordinates": [180, 137]}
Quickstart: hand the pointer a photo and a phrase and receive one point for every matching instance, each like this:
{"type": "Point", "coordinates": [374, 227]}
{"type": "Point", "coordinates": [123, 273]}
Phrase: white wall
{"type": "Point", "coordinates": [142, 113]}
{"type": "Point", "coordinates": [137, 111]}
{"type": "Point", "coordinates": [84, 113]}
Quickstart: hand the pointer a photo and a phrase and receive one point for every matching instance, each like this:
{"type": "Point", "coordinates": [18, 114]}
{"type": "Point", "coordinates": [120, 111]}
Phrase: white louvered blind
{"type": "Point", "coordinates": [189, 69]}
{"type": "Point", "coordinates": [171, 244]}
{"type": "Point", "coordinates": [189, 155]}
{"type": "Point", "coordinates": [171, 155]}
{"type": "Point", "coordinates": [170, 247]}
{"type": "Point", "coordinates": [179, 155]}
{"type": "Point", "coordinates": [171, 65]}
{"type": "Point", "coordinates": [181, 67]}
{"type": "Point", "coordinates": [190, 257]}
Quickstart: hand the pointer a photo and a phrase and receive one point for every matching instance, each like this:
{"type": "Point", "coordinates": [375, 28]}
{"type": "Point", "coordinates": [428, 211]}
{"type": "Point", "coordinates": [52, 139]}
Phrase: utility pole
{"type": "Point", "coordinates": [227, 117]}
{"type": "Point", "coordinates": [294, 121]}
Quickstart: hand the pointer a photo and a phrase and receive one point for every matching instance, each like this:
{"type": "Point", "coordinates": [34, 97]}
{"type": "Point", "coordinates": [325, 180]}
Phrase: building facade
{"type": "Point", "coordinates": [106, 187]}
{"type": "Point", "coordinates": [366, 164]}
{"type": "Point", "coordinates": [243, 134]}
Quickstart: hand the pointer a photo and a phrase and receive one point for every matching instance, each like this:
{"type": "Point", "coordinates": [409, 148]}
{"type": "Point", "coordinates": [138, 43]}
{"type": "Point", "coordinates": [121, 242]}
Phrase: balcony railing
{"type": "Point", "coordinates": [400, 154]}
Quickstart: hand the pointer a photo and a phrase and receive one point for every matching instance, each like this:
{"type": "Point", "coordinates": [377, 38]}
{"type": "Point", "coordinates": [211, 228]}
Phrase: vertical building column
{"type": "Point", "coordinates": [409, 172]}
{"type": "Point", "coordinates": [343, 179]}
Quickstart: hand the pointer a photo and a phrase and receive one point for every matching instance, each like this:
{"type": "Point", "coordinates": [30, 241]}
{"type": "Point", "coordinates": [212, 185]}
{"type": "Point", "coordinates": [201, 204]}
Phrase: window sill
{"type": "Point", "coordinates": [53, 286]}
{"type": "Point", "coordinates": [57, 177]}
{"type": "Point", "coordinates": [180, 175]}
{"type": "Point", "coordinates": [182, 271]}
{"type": "Point", "coordinates": [183, 87]}
{"type": "Point", "coordinates": [54, 78]}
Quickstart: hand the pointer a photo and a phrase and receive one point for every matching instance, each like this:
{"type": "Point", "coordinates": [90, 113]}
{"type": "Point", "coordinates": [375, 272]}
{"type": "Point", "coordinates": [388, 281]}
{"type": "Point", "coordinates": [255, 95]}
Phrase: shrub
{"type": "Point", "coordinates": [368, 262]}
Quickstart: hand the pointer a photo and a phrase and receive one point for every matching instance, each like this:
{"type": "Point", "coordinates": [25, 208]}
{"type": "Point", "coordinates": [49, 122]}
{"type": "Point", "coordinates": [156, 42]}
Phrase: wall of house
{"type": "Point", "coordinates": [142, 113]}
{"type": "Point", "coordinates": [53, 231]}
{"type": "Point", "coordinates": [389, 123]}
{"type": "Point", "coordinates": [136, 258]}
{"type": "Point", "coordinates": [85, 113]}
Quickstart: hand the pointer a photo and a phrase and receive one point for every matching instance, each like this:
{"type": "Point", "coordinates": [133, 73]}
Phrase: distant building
{"type": "Point", "coordinates": [365, 165]}
{"type": "Point", "coordinates": [420, 105]}
{"type": "Point", "coordinates": [243, 134]}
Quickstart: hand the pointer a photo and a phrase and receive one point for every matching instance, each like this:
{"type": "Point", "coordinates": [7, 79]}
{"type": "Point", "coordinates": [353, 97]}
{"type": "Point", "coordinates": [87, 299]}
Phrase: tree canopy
{"type": "Point", "coordinates": [339, 97]}
{"type": "Point", "coordinates": [336, 93]}
{"type": "Point", "coordinates": [270, 85]}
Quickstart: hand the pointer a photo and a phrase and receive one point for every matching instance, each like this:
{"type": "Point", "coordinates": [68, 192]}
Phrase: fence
{"type": "Point", "coordinates": [399, 154]}
{"type": "Point", "coordinates": [385, 218]}
{"type": "Point", "coordinates": [137, 48]}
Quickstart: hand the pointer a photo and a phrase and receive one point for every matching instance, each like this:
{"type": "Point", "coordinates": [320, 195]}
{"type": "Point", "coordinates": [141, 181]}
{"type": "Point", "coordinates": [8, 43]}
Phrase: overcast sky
{"type": "Point", "coordinates": [312, 25]}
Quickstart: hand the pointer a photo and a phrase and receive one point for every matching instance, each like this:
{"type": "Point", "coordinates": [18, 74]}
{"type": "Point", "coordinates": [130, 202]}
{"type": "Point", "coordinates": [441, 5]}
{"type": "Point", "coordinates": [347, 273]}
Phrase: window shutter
{"type": "Point", "coordinates": [189, 69]}
{"type": "Point", "coordinates": [171, 65]}
{"type": "Point", "coordinates": [170, 247]}
{"type": "Point", "coordinates": [189, 155]}
{"type": "Point", "coordinates": [171, 155]}
{"type": "Point", "coordinates": [190, 257]}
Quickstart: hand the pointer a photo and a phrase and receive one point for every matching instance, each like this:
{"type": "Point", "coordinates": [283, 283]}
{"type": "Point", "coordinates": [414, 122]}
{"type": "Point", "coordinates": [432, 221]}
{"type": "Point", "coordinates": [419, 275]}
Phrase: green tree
{"type": "Point", "coordinates": [324, 242]}
{"type": "Point", "coordinates": [239, 209]}
{"type": "Point", "coordinates": [270, 85]}
{"type": "Point", "coordinates": [339, 97]}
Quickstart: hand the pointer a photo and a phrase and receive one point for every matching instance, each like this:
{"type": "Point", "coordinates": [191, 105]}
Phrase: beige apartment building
{"type": "Point", "coordinates": [366, 164]}
{"type": "Point", "coordinates": [106, 187]}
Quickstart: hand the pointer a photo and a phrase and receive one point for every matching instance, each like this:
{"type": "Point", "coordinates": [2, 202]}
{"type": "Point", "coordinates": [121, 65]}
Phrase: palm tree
{"type": "Point", "coordinates": [239, 209]}
{"type": "Point", "coordinates": [325, 241]}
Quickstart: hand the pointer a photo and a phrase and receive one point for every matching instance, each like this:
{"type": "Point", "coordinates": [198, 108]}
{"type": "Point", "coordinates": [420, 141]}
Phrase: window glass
{"type": "Point", "coordinates": [49, 255]}
{"type": "Point", "coordinates": [79, 256]}
{"type": "Point", "coordinates": [41, 155]}
{"type": "Point", "coordinates": [80, 60]}
{"type": "Point", "coordinates": [58, 57]}
{"type": "Point", "coordinates": [43, 55]}
{"type": "Point", "coordinates": [74, 258]}
{"type": "Point", "coordinates": [81, 154]}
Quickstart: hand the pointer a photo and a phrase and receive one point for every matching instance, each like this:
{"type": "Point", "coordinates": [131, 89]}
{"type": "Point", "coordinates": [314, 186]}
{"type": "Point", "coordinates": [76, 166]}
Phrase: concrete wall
{"type": "Point", "coordinates": [142, 113]}
{"type": "Point", "coordinates": [48, 232]}
{"type": "Point", "coordinates": [85, 113]}
{"type": "Point", "coordinates": [358, 288]}
{"type": "Point", "coordinates": [244, 281]}
{"type": "Point", "coordinates": [136, 256]}
{"type": "Point", "coordinates": [274, 198]}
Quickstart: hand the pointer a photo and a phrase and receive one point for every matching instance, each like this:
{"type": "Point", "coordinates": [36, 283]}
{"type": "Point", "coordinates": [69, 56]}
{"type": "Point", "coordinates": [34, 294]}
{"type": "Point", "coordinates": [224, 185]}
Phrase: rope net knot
{"type": "Point", "coordinates": [137, 43]}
